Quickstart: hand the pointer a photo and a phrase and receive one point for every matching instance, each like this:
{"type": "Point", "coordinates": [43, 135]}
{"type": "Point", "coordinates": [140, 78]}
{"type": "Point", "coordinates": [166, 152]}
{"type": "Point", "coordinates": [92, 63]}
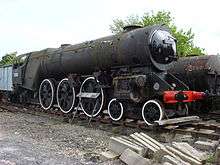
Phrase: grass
{"type": "Point", "coordinates": [211, 159]}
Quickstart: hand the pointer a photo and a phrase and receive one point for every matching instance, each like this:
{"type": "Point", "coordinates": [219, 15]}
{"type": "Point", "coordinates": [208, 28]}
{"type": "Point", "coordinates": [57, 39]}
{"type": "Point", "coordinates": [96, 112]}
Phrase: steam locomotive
{"type": "Point", "coordinates": [201, 73]}
{"type": "Point", "coordinates": [124, 73]}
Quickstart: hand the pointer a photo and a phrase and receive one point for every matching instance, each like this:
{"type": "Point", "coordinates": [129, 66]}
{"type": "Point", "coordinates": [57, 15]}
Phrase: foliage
{"type": "Point", "coordinates": [211, 158]}
{"type": "Point", "coordinates": [8, 59]}
{"type": "Point", "coordinates": [185, 38]}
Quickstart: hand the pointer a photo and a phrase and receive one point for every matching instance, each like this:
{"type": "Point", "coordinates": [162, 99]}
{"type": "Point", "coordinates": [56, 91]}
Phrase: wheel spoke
{"type": "Point", "coordinates": [65, 96]}
{"type": "Point", "coordinates": [152, 111]}
{"type": "Point", "coordinates": [115, 110]}
{"type": "Point", "coordinates": [46, 93]}
{"type": "Point", "coordinates": [90, 85]}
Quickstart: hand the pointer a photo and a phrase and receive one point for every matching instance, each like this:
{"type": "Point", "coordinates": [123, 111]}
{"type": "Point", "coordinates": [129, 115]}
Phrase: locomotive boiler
{"type": "Point", "coordinates": [124, 73]}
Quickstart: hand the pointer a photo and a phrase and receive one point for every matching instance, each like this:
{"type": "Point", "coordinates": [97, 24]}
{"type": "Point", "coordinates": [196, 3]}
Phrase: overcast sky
{"type": "Point", "coordinates": [29, 25]}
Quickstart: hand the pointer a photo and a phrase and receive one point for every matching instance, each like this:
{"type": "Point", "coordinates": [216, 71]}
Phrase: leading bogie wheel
{"type": "Point", "coordinates": [152, 111]}
{"type": "Point", "coordinates": [46, 94]}
{"type": "Point", "coordinates": [115, 110]}
{"type": "Point", "coordinates": [65, 96]}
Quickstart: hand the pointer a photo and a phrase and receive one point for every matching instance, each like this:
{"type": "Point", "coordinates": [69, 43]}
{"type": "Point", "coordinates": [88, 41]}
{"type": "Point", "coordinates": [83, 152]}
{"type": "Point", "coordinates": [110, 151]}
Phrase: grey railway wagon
{"type": "Point", "coordinates": [6, 78]}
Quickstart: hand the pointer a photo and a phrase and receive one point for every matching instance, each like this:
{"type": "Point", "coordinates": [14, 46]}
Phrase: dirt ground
{"type": "Point", "coordinates": [32, 139]}
{"type": "Point", "coordinates": [27, 139]}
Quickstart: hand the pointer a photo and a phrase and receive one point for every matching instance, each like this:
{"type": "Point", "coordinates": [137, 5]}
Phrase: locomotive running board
{"type": "Point", "coordinates": [88, 95]}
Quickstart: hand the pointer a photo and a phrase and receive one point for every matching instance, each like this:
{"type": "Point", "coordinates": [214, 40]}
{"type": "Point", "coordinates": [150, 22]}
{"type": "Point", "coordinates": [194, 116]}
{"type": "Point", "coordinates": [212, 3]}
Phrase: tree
{"type": "Point", "coordinates": [8, 59]}
{"type": "Point", "coordinates": [185, 38]}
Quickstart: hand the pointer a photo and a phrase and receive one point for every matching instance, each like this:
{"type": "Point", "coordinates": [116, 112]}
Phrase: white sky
{"type": "Point", "coordinates": [29, 25]}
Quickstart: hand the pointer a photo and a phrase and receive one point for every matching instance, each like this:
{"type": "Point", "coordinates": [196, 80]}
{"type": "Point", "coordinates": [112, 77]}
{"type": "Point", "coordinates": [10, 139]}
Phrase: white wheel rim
{"type": "Point", "coordinates": [122, 110]}
{"type": "Point", "coordinates": [102, 95]}
{"type": "Point", "coordinates": [74, 96]}
{"type": "Point", "coordinates": [52, 89]}
{"type": "Point", "coordinates": [158, 105]}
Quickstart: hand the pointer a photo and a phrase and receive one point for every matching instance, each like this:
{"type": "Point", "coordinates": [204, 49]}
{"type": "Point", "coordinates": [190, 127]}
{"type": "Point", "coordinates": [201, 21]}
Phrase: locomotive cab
{"type": "Point", "coordinates": [19, 69]}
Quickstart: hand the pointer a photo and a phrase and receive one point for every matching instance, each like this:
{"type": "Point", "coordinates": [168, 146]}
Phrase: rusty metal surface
{"type": "Point", "coordinates": [6, 83]}
{"type": "Point", "coordinates": [200, 73]}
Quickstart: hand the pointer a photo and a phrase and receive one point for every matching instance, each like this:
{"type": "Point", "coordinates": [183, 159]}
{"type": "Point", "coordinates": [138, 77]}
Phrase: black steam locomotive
{"type": "Point", "coordinates": [124, 73]}
{"type": "Point", "coordinates": [201, 73]}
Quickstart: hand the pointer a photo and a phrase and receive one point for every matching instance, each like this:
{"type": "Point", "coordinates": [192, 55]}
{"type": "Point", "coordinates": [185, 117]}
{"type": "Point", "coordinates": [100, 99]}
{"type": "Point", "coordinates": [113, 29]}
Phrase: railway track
{"type": "Point", "coordinates": [197, 129]}
{"type": "Point", "coordinates": [215, 115]}
{"type": "Point", "coordinates": [186, 125]}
